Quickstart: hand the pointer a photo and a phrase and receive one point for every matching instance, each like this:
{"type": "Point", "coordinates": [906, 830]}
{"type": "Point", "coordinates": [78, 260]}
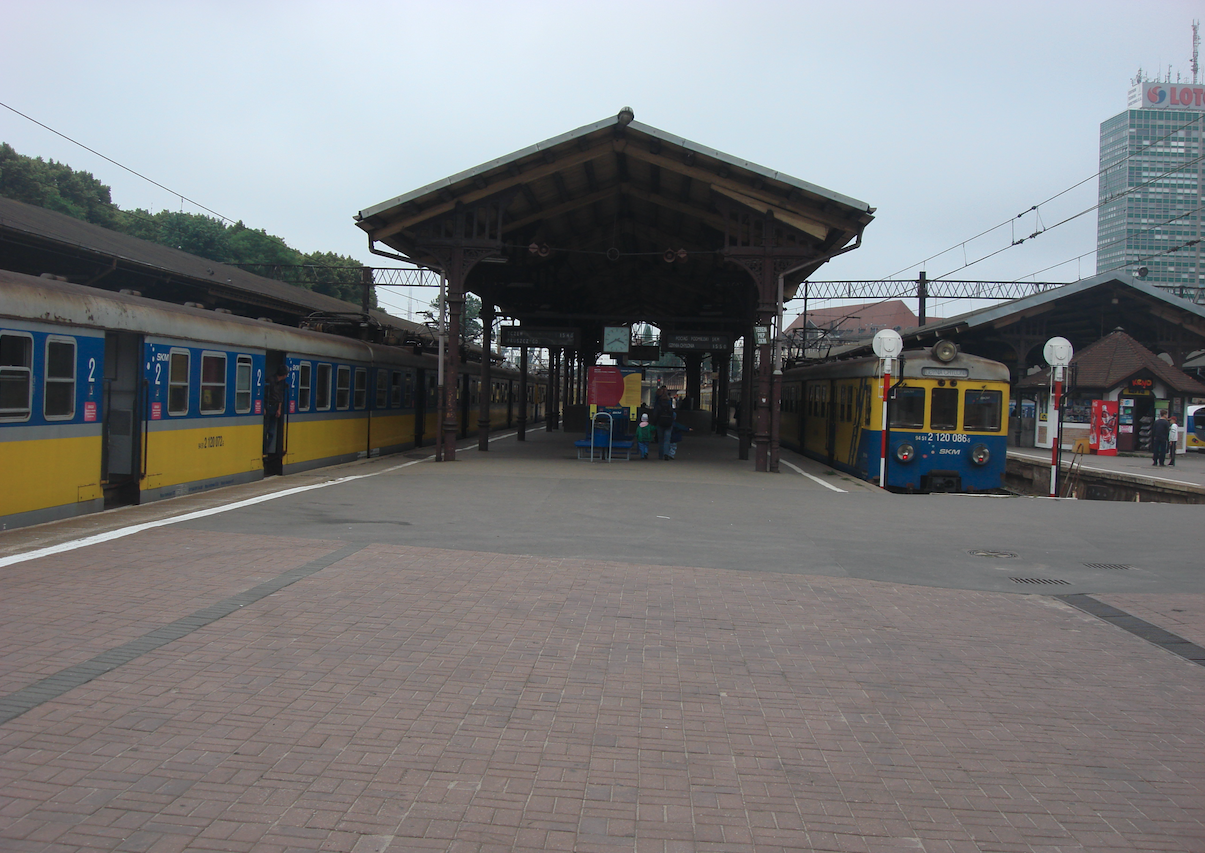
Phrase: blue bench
{"type": "Point", "coordinates": [603, 447]}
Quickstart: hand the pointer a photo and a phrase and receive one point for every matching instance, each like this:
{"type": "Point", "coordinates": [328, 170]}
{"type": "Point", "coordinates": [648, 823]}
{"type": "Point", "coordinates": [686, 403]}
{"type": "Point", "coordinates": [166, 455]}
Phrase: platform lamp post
{"type": "Point", "coordinates": [1058, 352]}
{"type": "Point", "coordinates": [887, 346]}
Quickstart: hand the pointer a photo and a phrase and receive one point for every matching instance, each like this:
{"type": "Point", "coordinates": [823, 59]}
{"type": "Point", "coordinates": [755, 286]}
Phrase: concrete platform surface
{"type": "Point", "coordinates": [521, 651]}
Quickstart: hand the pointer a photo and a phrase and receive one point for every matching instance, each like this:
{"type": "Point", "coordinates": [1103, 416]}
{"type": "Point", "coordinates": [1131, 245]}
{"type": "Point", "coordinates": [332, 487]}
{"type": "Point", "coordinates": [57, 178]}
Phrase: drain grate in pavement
{"type": "Point", "coordinates": [1117, 567]}
{"type": "Point", "coordinates": [1173, 643]}
{"type": "Point", "coordinates": [1052, 581]}
{"type": "Point", "coordinates": [999, 555]}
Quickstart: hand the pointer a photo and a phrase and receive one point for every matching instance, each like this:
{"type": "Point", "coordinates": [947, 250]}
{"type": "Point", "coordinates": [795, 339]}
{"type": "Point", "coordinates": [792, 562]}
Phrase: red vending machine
{"type": "Point", "coordinates": [1102, 436]}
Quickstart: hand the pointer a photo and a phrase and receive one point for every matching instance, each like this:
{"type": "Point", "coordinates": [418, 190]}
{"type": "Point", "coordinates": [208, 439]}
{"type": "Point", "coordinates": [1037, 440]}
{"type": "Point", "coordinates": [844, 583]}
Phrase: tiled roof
{"type": "Point", "coordinates": [1115, 358]}
{"type": "Point", "coordinates": [890, 314]}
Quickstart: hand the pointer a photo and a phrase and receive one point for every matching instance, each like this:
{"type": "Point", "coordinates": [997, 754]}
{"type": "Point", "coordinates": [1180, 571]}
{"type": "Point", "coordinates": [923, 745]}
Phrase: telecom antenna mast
{"type": "Point", "coordinates": [1196, 49]}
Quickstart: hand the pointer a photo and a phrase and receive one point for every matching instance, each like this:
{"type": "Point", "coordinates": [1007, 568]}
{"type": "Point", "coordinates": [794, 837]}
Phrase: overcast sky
{"type": "Point", "coordinates": [948, 117]}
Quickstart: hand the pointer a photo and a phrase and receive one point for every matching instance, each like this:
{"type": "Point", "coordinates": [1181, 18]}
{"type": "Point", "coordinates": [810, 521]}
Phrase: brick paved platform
{"type": "Point", "coordinates": [357, 693]}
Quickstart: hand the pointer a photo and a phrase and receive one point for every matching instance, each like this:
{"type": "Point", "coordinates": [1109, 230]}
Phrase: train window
{"type": "Point", "coordinates": [908, 408]}
{"type": "Point", "coordinates": [213, 383]}
{"type": "Point", "coordinates": [16, 376]}
{"type": "Point", "coordinates": [382, 389]}
{"type": "Point", "coordinates": [322, 390]}
{"type": "Point", "coordinates": [395, 389]}
{"type": "Point", "coordinates": [242, 384]}
{"type": "Point", "coordinates": [59, 402]}
{"type": "Point", "coordinates": [177, 383]}
{"type": "Point", "coordinates": [304, 381]}
{"type": "Point", "coordinates": [943, 409]}
{"type": "Point", "coordinates": [342, 387]}
{"type": "Point", "coordinates": [361, 388]}
{"type": "Point", "coordinates": [981, 409]}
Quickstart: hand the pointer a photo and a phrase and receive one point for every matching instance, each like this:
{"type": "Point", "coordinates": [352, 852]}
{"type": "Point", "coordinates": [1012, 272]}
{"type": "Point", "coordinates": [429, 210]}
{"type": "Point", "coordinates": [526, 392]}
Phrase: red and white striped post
{"type": "Point", "coordinates": [887, 344]}
{"type": "Point", "coordinates": [883, 447]}
{"type": "Point", "coordinates": [1054, 431]}
{"type": "Point", "coordinates": [1058, 352]}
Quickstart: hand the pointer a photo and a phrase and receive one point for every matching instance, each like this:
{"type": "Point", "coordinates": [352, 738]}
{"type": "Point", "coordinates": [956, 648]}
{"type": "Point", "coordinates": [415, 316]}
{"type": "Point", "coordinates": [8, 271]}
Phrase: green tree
{"type": "Point", "coordinates": [470, 318]}
{"type": "Point", "coordinates": [338, 276]}
{"type": "Point", "coordinates": [55, 186]}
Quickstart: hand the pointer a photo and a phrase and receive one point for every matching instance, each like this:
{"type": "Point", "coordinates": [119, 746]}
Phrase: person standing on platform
{"type": "Point", "coordinates": [645, 435]}
{"type": "Point", "coordinates": [663, 419]}
{"type": "Point", "coordinates": [1159, 433]}
{"type": "Point", "coordinates": [275, 395]}
{"type": "Point", "coordinates": [1173, 435]}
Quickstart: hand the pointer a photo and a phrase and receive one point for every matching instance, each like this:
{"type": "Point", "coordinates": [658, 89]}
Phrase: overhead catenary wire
{"type": "Point", "coordinates": [180, 196]}
{"type": "Point", "coordinates": [1036, 207]}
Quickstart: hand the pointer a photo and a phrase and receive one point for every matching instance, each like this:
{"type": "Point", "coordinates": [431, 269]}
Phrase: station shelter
{"type": "Point", "coordinates": [1119, 370]}
{"type": "Point", "coordinates": [575, 240]}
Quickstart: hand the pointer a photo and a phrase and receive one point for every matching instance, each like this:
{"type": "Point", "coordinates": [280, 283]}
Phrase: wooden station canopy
{"type": "Point", "coordinates": [618, 222]}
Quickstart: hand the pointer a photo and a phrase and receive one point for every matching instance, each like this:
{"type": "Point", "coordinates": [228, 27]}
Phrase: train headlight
{"type": "Point", "coordinates": [945, 351]}
{"type": "Point", "coordinates": [980, 454]}
{"type": "Point", "coordinates": [904, 452]}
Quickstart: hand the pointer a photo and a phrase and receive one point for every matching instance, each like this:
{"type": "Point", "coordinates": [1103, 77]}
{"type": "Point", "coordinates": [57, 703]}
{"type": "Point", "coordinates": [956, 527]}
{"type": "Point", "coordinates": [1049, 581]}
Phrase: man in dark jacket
{"type": "Point", "coordinates": [663, 420]}
{"type": "Point", "coordinates": [1159, 434]}
{"type": "Point", "coordinates": [276, 395]}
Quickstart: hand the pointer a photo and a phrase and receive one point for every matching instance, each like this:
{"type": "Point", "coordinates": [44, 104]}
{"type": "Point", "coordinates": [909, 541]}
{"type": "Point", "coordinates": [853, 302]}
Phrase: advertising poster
{"type": "Point", "coordinates": [612, 388]}
{"type": "Point", "coordinates": [1102, 436]}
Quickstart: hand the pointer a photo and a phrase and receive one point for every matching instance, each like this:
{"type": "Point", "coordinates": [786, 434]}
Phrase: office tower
{"type": "Point", "coordinates": [1151, 160]}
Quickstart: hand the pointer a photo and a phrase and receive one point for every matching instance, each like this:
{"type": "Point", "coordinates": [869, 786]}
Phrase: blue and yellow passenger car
{"type": "Point", "coordinates": [109, 399]}
{"type": "Point", "coordinates": [947, 425]}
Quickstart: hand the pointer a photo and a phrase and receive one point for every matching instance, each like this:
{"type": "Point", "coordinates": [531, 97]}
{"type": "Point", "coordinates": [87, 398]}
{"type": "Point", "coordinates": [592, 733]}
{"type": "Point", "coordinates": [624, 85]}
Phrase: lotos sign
{"type": "Point", "coordinates": [1168, 96]}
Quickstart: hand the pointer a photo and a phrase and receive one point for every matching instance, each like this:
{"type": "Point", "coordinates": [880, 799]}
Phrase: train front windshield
{"type": "Point", "coordinates": [981, 410]}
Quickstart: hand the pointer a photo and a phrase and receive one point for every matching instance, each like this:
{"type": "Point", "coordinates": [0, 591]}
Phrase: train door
{"type": "Point", "coordinates": [276, 430]}
{"type": "Point", "coordinates": [122, 460]}
{"type": "Point", "coordinates": [830, 413]}
{"type": "Point", "coordinates": [415, 397]}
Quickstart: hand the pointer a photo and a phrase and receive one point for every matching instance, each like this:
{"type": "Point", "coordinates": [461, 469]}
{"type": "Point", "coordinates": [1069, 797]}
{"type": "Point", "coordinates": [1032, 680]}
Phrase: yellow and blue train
{"type": "Point", "coordinates": [1194, 427]}
{"type": "Point", "coordinates": [947, 419]}
{"type": "Point", "coordinates": [110, 399]}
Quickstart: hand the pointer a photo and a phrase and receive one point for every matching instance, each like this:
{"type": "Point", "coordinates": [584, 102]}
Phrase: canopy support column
{"type": "Point", "coordinates": [485, 397]}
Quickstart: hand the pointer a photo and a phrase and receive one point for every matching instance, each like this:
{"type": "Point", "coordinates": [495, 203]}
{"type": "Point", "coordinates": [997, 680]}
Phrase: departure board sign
{"type": "Point", "coordinates": [643, 353]}
{"type": "Point", "coordinates": [531, 336]}
{"type": "Point", "coordinates": [695, 342]}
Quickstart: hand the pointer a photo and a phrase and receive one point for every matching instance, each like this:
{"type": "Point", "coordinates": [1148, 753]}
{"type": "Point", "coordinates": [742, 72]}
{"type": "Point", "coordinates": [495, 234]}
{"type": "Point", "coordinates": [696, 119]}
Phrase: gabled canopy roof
{"type": "Point", "coordinates": [618, 221]}
{"type": "Point", "coordinates": [1114, 359]}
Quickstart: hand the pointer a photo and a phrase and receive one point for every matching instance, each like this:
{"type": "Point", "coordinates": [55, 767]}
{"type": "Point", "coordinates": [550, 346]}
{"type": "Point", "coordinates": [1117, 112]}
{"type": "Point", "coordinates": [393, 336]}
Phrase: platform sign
{"type": "Point", "coordinates": [545, 338]}
{"type": "Point", "coordinates": [643, 352]}
{"type": "Point", "coordinates": [695, 342]}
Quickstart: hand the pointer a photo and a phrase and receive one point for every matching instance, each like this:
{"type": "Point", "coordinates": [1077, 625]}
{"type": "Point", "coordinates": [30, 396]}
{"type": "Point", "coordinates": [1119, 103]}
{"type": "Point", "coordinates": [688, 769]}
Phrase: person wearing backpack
{"type": "Point", "coordinates": [663, 419]}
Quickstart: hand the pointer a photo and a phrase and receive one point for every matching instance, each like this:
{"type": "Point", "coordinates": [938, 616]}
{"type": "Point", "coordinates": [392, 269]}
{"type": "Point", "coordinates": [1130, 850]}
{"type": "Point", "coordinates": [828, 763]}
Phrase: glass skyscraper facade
{"type": "Point", "coordinates": [1150, 189]}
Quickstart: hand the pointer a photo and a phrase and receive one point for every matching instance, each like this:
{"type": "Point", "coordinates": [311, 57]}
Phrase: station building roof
{"type": "Point", "coordinates": [1082, 312]}
{"type": "Point", "coordinates": [36, 241]}
{"type": "Point", "coordinates": [619, 222]}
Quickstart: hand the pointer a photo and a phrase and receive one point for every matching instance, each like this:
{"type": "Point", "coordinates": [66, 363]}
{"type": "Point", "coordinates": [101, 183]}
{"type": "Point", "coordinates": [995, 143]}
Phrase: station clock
{"type": "Point", "coordinates": [617, 339]}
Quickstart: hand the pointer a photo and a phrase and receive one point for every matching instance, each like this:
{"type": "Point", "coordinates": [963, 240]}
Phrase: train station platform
{"type": "Point", "coordinates": [519, 650]}
{"type": "Point", "coordinates": [1125, 477]}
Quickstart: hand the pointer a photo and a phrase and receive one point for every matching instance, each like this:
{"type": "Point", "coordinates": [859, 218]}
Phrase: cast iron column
{"type": "Point", "coordinates": [745, 427]}
{"type": "Point", "coordinates": [722, 367]}
{"type": "Point", "coordinates": [761, 438]}
{"type": "Point", "coordinates": [485, 397]}
{"type": "Point", "coordinates": [523, 394]}
{"type": "Point", "coordinates": [694, 383]}
{"type": "Point", "coordinates": [456, 276]}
